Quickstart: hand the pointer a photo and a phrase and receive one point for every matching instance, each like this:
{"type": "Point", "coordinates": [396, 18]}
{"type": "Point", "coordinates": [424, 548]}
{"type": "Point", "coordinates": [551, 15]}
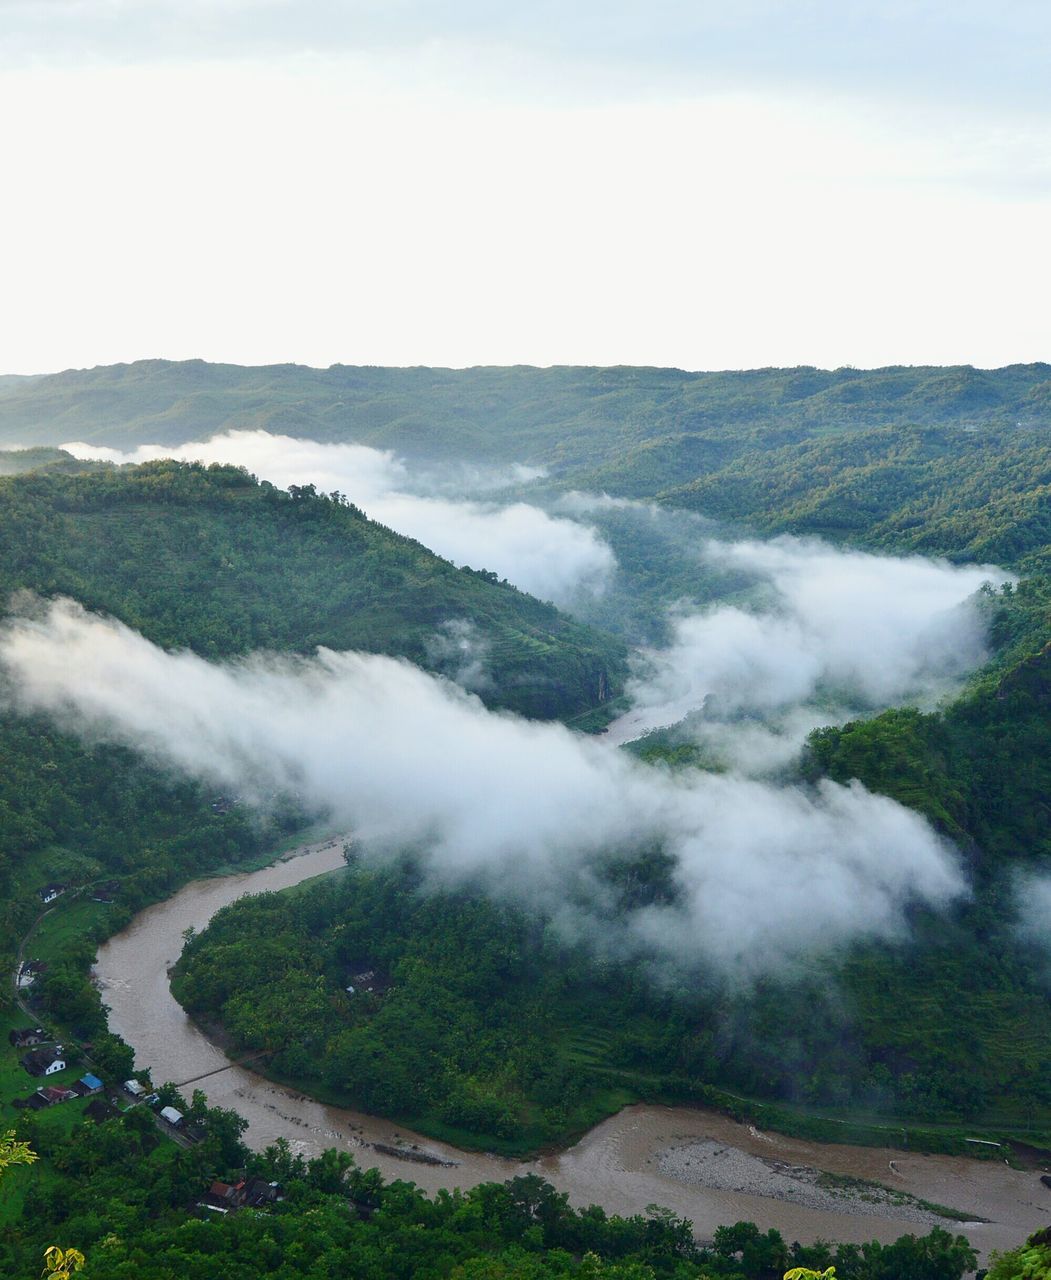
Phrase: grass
{"type": "Point", "coordinates": [864, 1187]}
{"type": "Point", "coordinates": [73, 920]}
{"type": "Point", "coordinates": [16, 1082]}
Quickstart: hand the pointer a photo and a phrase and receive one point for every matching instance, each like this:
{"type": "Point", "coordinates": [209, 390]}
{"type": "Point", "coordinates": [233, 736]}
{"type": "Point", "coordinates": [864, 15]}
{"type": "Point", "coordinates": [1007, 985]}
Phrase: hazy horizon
{"type": "Point", "coordinates": [514, 364]}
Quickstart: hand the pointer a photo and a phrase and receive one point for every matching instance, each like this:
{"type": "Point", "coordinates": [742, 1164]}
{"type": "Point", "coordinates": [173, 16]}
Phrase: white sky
{"type": "Point", "coordinates": [420, 182]}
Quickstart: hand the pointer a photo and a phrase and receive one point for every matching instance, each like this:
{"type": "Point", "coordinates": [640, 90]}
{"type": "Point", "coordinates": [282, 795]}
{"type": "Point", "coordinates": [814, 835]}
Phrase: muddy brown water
{"type": "Point", "coordinates": [614, 1165]}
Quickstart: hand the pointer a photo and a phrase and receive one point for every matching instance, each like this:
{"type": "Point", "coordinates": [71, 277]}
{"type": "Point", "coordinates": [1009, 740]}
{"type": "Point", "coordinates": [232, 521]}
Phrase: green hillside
{"type": "Point", "coordinates": [211, 560]}
{"type": "Point", "coordinates": [567, 417]}
{"type": "Point", "coordinates": [496, 1033]}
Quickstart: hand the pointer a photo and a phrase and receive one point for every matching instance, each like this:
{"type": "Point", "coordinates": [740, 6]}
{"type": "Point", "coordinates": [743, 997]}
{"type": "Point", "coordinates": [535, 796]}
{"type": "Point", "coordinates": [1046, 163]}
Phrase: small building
{"type": "Point", "coordinates": [44, 1062]}
{"type": "Point", "coordinates": [173, 1117]}
{"type": "Point", "coordinates": [88, 1085]}
{"type": "Point", "coordinates": [51, 891]}
{"type": "Point", "coordinates": [56, 1094]}
{"type": "Point", "coordinates": [29, 972]}
{"type": "Point", "coordinates": [50, 1096]}
{"type": "Point", "coordinates": [26, 1037]}
{"type": "Point", "coordinates": [258, 1193]}
{"type": "Point", "coordinates": [367, 979]}
{"type": "Point", "coordinates": [135, 1089]}
{"type": "Point", "coordinates": [106, 891]}
{"type": "Point", "coordinates": [226, 1195]}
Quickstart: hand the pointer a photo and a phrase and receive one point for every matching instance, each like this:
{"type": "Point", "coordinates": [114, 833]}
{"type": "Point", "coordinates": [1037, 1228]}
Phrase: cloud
{"type": "Point", "coordinates": [553, 558]}
{"type": "Point", "coordinates": [830, 634]}
{"type": "Point", "coordinates": [460, 652]}
{"type": "Point", "coordinates": [530, 811]}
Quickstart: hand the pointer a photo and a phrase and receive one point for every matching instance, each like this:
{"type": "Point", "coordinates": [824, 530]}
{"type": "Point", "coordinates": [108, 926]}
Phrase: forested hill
{"type": "Point", "coordinates": [211, 560]}
{"type": "Point", "coordinates": [574, 417]}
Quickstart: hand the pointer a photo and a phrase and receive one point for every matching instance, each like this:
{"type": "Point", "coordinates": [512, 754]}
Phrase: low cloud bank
{"type": "Point", "coordinates": [828, 634]}
{"type": "Point", "coordinates": [555, 559]}
{"type": "Point", "coordinates": [764, 874]}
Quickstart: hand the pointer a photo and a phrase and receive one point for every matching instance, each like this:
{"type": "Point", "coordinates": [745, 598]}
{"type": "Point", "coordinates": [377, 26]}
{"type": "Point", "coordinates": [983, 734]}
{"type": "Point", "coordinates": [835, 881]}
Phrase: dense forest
{"type": "Point", "coordinates": [566, 417]}
{"type": "Point", "coordinates": [131, 1199]}
{"type": "Point", "coordinates": [209, 559]}
{"type": "Point", "coordinates": [480, 1026]}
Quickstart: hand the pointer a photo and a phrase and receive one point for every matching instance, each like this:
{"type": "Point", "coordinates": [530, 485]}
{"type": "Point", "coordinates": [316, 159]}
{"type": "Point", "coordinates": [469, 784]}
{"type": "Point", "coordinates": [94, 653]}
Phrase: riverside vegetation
{"type": "Point", "coordinates": [953, 462]}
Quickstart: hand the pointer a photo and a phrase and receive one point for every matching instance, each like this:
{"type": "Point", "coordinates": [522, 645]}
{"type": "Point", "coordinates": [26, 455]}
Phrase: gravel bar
{"type": "Point", "coordinates": [721, 1168]}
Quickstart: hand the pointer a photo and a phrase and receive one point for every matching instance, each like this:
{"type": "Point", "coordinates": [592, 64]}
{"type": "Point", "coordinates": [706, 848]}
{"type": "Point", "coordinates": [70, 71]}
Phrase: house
{"type": "Point", "coordinates": [55, 1093]}
{"type": "Point", "coordinates": [253, 1192]}
{"type": "Point", "coordinates": [106, 891]}
{"type": "Point", "coordinates": [44, 1062]}
{"type": "Point", "coordinates": [29, 972]}
{"type": "Point", "coordinates": [49, 1097]}
{"type": "Point", "coordinates": [226, 1195]}
{"type": "Point", "coordinates": [51, 891]}
{"type": "Point", "coordinates": [135, 1089]}
{"type": "Point", "coordinates": [257, 1192]}
{"type": "Point", "coordinates": [367, 980]}
{"type": "Point", "coordinates": [26, 1037]}
{"type": "Point", "coordinates": [88, 1085]}
{"type": "Point", "coordinates": [173, 1117]}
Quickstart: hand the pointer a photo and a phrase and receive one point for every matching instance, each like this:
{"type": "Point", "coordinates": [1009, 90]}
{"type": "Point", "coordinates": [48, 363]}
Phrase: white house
{"type": "Point", "coordinates": [44, 1062]}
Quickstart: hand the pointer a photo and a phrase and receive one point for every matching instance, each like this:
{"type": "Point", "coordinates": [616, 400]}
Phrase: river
{"type": "Point", "coordinates": [645, 1155]}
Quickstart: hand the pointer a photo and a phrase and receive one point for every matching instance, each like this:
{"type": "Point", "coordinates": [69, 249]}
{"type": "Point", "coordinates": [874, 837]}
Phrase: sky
{"type": "Point", "coordinates": [704, 185]}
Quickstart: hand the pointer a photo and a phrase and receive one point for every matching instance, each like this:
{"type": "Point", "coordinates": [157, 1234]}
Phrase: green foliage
{"type": "Point", "coordinates": [456, 1029]}
{"type": "Point", "coordinates": [487, 1027]}
{"type": "Point", "coordinates": [1032, 1261]}
{"type": "Point", "coordinates": [129, 1199]}
{"type": "Point", "coordinates": [484, 1029]}
{"type": "Point", "coordinates": [210, 560]}
{"type": "Point", "coordinates": [563, 415]}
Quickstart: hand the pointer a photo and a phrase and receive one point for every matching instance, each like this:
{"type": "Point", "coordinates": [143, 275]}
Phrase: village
{"type": "Point", "coordinates": [62, 1067]}
{"type": "Point", "coordinates": [45, 1057]}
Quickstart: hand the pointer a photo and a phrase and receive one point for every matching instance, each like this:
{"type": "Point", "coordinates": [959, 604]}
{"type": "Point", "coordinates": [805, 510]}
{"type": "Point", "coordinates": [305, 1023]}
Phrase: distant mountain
{"type": "Point", "coordinates": [572, 418]}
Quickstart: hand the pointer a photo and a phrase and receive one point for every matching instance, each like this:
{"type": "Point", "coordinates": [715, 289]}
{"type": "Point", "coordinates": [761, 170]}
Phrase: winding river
{"type": "Point", "coordinates": [645, 1155]}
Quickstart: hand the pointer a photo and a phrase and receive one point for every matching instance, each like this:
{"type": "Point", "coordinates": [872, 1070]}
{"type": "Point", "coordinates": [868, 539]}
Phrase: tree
{"type": "Point", "coordinates": [59, 1264]}
{"type": "Point", "coordinates": [13, 1152]}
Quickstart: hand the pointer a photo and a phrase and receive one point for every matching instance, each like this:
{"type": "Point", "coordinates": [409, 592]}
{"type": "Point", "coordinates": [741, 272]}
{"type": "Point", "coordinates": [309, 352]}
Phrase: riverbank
{"type": "Point", "coordinates": [617, 1164]}
{"type": "Point", "coordinates": [721, 1167]}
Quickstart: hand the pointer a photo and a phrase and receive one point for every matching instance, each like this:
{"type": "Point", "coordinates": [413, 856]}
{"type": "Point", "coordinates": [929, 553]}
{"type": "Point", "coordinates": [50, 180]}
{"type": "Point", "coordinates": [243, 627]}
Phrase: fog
{"type": "Point", "coordinates": [553, 558]}
{"type": "Point", "coordinates": [827, 634]}
{"type": "Point", "coordinates": [794, 634]}
{"type": "Point", "coordinates": [530, 811]}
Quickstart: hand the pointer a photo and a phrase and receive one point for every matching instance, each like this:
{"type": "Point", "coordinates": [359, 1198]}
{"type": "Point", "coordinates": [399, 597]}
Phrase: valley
{"type": "Point", "coordinates": [791, 936]}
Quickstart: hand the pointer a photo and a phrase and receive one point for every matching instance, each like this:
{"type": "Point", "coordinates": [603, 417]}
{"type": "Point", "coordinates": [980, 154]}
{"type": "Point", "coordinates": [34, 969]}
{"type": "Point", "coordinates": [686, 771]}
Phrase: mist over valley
{"type": "Point", "coordinates": [650, 793]}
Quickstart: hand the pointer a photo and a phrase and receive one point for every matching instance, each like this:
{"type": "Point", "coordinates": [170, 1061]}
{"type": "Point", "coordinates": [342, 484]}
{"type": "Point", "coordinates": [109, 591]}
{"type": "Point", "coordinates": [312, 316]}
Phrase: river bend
{"type": "Point", "coordinates": [622, 1164]}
